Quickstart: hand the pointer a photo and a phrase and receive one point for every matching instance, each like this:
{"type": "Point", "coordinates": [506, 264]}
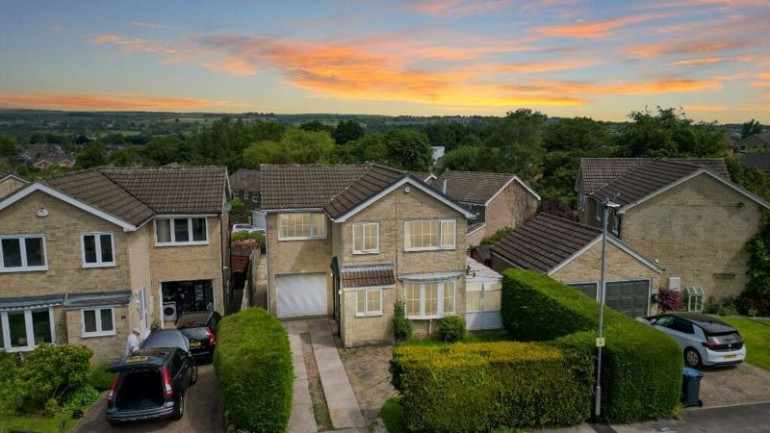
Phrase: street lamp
{"type": "Point", "coordinates": [606, 204]}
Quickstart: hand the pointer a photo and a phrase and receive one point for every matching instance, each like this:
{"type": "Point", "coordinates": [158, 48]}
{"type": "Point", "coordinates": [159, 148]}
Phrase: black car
{"type": "Point", "coordinates": [166, 338]}
{"type": "Point", "coordinates": [150, 384]}
{"type": "Point", "coordinates": [200, 328]}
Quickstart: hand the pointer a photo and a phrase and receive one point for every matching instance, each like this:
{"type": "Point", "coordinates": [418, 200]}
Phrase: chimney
{"type": "Point", "coordinates": [443, 186]}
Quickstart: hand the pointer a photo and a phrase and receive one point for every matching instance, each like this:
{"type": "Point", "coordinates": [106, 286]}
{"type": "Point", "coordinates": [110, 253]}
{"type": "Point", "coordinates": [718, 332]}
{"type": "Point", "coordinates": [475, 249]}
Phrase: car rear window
{"type": "Point", "coordinates": [725, 338]}
{"type": "Point", "coordinates": [195, 333]}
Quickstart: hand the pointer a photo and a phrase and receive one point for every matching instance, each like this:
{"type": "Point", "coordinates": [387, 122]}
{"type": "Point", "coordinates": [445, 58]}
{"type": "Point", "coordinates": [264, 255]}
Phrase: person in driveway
{"type": "Point", "coordinates": [133, 342]}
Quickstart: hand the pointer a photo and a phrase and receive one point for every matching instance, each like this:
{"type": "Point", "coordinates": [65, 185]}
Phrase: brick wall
{"type": "Point", "coordinates": [9, 185]}
{"type": "Point", "coordinates": [510, 208]}
{"type": "Point", "coordinates": [106, 348]}
{"type": "Point", "coordinates": [619, 266]}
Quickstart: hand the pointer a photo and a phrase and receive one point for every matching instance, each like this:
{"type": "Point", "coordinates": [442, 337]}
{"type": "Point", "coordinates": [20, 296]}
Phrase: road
{"type": "Point", "coordinates": [203, 412]}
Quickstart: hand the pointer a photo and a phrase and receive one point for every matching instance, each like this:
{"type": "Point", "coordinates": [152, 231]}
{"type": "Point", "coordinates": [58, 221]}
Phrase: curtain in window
{"type": "Point", "coordinates": [163, 230]}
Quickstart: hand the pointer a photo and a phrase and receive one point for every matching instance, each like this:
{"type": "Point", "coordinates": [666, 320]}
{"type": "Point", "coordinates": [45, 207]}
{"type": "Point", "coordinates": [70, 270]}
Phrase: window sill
{"type": "Point", "coordinates": [98, 334]}
{"type": "Point", "coordinates": [301, 239]}
{"type": "Point", "coordinates": [379, 314]}
{"type": "Point", "coordinates": [429, 317]}
{"type": "Point", "coordinates": [417, 250]}
{"type": "Point", "coordinates": [28, 269]}
{"type": "Point", "coordinates": [181, 244]}
{"type": "Point", "coordinates": [99, 265]}
{"type": "Point", "coordinates": [365, 253]}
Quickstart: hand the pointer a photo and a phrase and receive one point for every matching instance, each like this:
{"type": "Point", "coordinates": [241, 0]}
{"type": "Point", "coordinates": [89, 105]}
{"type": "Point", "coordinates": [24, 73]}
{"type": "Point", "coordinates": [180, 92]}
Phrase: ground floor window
{"type": "Point", "coordinates": [430, 299]}
{"type": "Point", "coordinates": [369, 302]}
{"type": "Point", "coordinates": [98, 322]}
{"type": "Point", "coordinates": [25, 329]}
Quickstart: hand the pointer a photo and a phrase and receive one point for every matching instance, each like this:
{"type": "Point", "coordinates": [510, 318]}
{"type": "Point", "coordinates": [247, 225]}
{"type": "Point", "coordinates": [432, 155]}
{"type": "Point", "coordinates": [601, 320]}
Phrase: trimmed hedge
{"type": "Point", "coordinates": [476, 387]}
{"type": "Point", "coordinates": [641, 367]}
{"type": "Point", "coordinates": [254, 370]}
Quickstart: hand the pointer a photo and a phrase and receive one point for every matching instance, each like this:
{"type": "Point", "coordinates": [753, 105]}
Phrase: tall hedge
{"type": "Point", "coordinates": [254, 370]}
{"type": "Point", "coordinates": [641, 366]}
{"type": "Point", "coordinates": [479, 386]}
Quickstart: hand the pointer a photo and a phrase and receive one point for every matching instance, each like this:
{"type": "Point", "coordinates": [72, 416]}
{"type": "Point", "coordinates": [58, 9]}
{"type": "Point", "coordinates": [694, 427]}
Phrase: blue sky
{"type": "Point", "coordinates": [599, 59]}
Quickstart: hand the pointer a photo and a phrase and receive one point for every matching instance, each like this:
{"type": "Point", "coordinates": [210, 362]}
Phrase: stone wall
{"type": "Point", "coordinates": [9, 185]}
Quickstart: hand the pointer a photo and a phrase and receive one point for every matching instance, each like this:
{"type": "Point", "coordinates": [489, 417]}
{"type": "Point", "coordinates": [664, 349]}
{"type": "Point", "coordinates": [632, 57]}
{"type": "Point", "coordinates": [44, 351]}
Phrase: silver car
{"type": "Point", "coordinates": [705, 340]}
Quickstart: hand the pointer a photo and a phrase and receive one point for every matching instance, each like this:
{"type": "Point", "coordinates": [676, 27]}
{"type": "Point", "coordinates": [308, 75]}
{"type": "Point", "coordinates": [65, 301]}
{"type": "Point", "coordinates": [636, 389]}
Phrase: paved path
{"type": "Point", "coordinates": [203, 412]}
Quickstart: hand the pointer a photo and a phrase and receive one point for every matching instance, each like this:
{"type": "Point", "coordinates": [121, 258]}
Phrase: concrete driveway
{"type": "Point", "coordinates": [729, 386]}
{"type": "Point", "coordinates": [203, 412]}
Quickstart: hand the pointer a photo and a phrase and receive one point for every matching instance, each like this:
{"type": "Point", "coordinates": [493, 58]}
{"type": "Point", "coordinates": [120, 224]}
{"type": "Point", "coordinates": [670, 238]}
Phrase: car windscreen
{"type": "Point", "coordinates": [196, 333]}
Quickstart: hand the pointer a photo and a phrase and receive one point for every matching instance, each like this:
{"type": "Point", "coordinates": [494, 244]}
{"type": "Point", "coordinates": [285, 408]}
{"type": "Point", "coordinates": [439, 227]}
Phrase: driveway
{"type": "Point", "coordinates": [203, 412]}
{"type": "Point", "coordinates": [729, 386]}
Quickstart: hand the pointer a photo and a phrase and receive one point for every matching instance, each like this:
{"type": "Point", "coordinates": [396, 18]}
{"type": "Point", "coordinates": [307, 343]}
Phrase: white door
{"type": "Point", "coordinates": [300, 295]}
{"type": "Point", "coordinates": [482, 305]}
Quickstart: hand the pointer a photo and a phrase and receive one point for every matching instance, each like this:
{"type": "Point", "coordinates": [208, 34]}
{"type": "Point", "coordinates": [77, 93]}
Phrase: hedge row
{"type": "Point", "coordinates": [641, 367]}
{"type": "Point", "coordinates": [479, 386]}
{"type": "Point", "coordinates": [254, 370]}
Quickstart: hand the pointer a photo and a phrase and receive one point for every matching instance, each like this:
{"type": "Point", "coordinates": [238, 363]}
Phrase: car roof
{"type": "Point", "coordinates": [708, 323]}
{"type": "Point", "coordinates": [142, 358]}
{"type": "Point", "coordinates": [188, 319]}
{"type": "Point", "coordinates": [166, 338]}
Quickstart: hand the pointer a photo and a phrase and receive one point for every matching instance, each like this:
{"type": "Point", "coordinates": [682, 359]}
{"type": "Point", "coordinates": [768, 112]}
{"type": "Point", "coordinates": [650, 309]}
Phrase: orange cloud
{"type": "Point", "coordinates": [526, 68]}
{"type": "Point", "coordinates": [131, 45]}
{"type": "Point", "coordinates": [705, 108]}
{"type": "Point", "coordinates": [689, 47]}
{"type": "Point", "coordinates": [232, 66]}
{"type": "Point", "coordinates": [595, 29]}
{"type": "Point", "coordinates": [475, 7]}
{"type": "Point", "coordinates": [704, 61]}
{"type": "Point", "coordinates": [107, 102]}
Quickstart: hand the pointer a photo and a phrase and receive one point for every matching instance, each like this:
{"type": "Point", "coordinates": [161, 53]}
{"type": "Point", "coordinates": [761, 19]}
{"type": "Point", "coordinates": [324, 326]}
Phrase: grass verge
{"type": "Point", "coordinates": [756, 334]}
{"type": "Point", "coordinates": [38, 425]}
{"type": "Point", "coordinates": [392, 415]}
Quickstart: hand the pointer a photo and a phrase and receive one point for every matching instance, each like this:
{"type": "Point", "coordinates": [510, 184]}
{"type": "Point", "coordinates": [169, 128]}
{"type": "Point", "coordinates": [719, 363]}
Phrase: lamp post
{"type": "Point", "coordinates": [606, 204]}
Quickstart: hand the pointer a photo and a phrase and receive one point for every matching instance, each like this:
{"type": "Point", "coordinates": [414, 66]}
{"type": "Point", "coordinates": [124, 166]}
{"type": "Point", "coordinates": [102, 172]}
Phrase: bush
{"type": "Point", "coordinates": [99, 378]}
{"type": "Point", "coordinates": [50, 372]}
{"type": "Point", "coordinates": [10, 395]}
{"type": "Point", "coordinates": [669, 300]}
{"type": "Point", "coordinates": [254, 370]}
{"type": "Point", "coordinates": [451, 328]}
{"type": "Point", "coordinates": [479, 386]}
{"type": "Point", "coordinates": [641, 367]}
{"type": "Point", "coordinates": [402, 327]}
{"type": "Point", "coordinates": [80, 398]}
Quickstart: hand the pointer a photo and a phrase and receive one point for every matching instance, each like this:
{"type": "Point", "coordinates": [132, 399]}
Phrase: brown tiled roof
{"type": "Point", "coordinates": [368, 276]}
{"type": "Point", "coordinates": [136, 194]}
{"type": "Point", "coordinates": [243, 179]}
{"type": "Point", "coordinates": [643, 180]}
{"type": "Point", "coordinates": [471, 186]}
{"type": "Point", "coordinates": [597, 172]}
{"type": "Point", "coordinates": [543, 242]}
{"type": "Point", "coordinates": [755, 141]}
{"type": "Point", "coordinates": [304, 186]}
{"type": "Point", "coordinates": [373, 181]}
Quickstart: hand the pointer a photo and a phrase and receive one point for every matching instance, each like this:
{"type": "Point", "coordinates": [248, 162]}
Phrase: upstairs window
{"type": "Point", "coordinates": [180, 231]}
{"type": "Point", "coordinates": [429, 235]}
{"type": "Point", "coordinates": [366, 238]}
{"type": "Point", "coordinates": [297, 226]}
{"type": "Point", "coordinates": [98, 250]}
{"type": "Point", "coordinates": [22, 253]}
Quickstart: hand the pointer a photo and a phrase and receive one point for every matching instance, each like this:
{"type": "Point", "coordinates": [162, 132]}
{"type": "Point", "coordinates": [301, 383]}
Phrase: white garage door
{"type": "Point", "coordinates": [301, 295]}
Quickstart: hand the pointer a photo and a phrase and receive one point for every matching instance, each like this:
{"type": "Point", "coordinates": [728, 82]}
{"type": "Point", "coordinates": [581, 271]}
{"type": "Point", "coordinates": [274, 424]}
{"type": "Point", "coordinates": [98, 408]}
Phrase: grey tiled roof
{"type": "Point", "coordinates": [304, 186]}
{"type": "Point", "coordinates": [643, 180]}
{"type": "Point", "coordinates": [543, 242]}
{"type": "Point", "coordinates": [368, 276]}
{"type": "Point", "coordinates": [755, 141]}
{"type": "Point", "coordinates": [597, 172]}
{"type": "Point", "coordinates": [756, 160]}
{"type": "Point", "coordinates": [373, 181]}
{"type": "Point", "coordinates": [136, 194]}
{"type": "Point", "coordinates": [471, 186]}
{"type": "Point", "coordinates": [246, 180]}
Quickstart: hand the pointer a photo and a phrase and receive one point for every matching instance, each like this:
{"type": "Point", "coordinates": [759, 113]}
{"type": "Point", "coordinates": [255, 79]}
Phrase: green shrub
{"type": "Point", "coordinates": [80, 398]}
{"type": "Point", "coordinates": [641, 367]}
{"type": "Point", "coordinates": [10, 391]}
{"type": "Point", "coordinates": [50, 372]}
{"type": "Point", "coordinates": [402, 327]}
{"type": "Point", "coordinates": [479, 386]}
{"type": "Point", "coordinates": [254, 370]}
{"type": "Point", "coordinates": [99, 378]}
{"type": "Point", "coordinates": [451, 328]}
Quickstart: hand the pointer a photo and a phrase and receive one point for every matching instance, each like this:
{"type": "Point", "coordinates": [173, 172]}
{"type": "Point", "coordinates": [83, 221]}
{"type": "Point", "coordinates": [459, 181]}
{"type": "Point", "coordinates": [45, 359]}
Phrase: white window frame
{"type": "Point", "coordinates": [366, 312]}
{"type": "Point", "coordinates": [100, 332]}
{"type": "Point", "coordinates": [442, 285]}
{"type": "Point", "coordinates": [255, 197]}
{"type": "Point", "coordinates": [316, 233]}
{"type": "Point", "coordinates": [440, 237]}
{"type": "Point", "coordinates": [98, 243]}
{"type": "Point", "coordinates": [245, 195]}
{"type": "Point", "coordinates": [23, 245]}
{"type": "Point", "coordinates": [172, 233]}
{"type": "Point", "coordinates": [358, 231]}
{"type": "Point", "coordinates": [30, 331]}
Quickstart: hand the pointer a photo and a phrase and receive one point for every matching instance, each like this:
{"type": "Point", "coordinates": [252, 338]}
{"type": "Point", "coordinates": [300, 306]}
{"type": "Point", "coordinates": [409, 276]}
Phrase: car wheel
{"type": "Point", "coordinates": [692, 357]}
{"type": "Point", "coordinates": [194, 377]}
{"type": "Point", "coordinates": [179, 412]}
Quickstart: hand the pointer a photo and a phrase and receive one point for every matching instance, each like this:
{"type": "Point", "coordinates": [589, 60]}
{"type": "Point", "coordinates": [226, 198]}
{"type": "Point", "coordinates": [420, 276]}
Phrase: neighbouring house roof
{"type": "Point", "coordinates": [246, 180]}
{"type": "Point", "coordinates": [754, 141]}
{"type": "Point", "coordinates": [368, 276]}
{"type": "Point", "coordinates": [340, 190]}
{"type": "Point", "coordinates": [476, 187]}
{"type": "Point", "coordinates": [472, 228]}
{"type": "Point", "coordinates": [479, 272]}
{"type": "Point", "coordinates": [424, 176]}
{"type": "Point", "coordinates": [758, 160]}
{"type": "Point", "coordinates": [596, 172]}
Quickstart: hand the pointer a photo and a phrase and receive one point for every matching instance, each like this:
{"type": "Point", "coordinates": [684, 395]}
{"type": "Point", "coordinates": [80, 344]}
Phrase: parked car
{"type": "Point", "coordinates": [200, 328]}
{"type": "Point", "coordinates": [150, 384]}
{"type": "Point", "coordinates": [248, 228]}
{"type": "Point", "coordinates": [166, 338]}
{"type": "Point", "coordinates": [705, 340]}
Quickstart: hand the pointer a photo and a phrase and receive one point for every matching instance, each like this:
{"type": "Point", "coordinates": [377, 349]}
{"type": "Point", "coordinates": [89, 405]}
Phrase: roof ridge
{"type": "Point", "coordinates": [369, 168]}
{"type": "Point", "coordinates": [119, 185]}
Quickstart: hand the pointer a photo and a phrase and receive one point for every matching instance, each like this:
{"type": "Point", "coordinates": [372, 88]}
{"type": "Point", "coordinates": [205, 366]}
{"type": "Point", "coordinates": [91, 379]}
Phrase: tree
{"type": "Point", "coordinates": [579, 134]}
{"type": "Point", "coordinates": [514, 143]}
{"type": "Point", "coordinates": [758, 248]}
{"type": "Point", "coordinates": [451, 135]}
{"type": "Point", "coordinates": [369, 148]}
{"type": "Point", "coordinates": [8, 148]}
{"type": "Point", "coordinates": [750, 128]}
{"type": "Point", "coordinates": [670, 134]}
{"type": "Point", "coordinates": [316, 126]}
{"type": "Point", "coordinates": [127, 156]}
{"type": "Point", "coordinates": [295, 147]}
{"type": "Point", "coordinates": [224, 142]}
{"type": "Point", "coordinates": [462, 158]}
{"type": "Point", "coordinates": [348, 130]}
{"type": "Point", "coordinates": [163, 150]}
{"type": "Point", "coordinates": [92, 155]}
{"type": "Point", "coordinates": [750, 178]}
{"type": "Point", "coordinates": [408, 150]}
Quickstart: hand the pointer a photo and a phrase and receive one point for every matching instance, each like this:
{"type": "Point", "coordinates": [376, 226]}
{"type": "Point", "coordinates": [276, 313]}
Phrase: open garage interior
{"type": "Point", "coordinates": [185, 296]}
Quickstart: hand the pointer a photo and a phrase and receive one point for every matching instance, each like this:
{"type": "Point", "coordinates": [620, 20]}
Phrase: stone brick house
{"type": "Point", "coordinates": [686, 215]}
{"type": "Point", "coordinates": [9, 183]}
{"type": "Point", "coordinates": [348, 240]}
{"type": "Point", "coordinates": [87, 256]}
{"type": "Point", "coordinates": [245, 186]}
{"type": "Point", "coordinates": [570, 252]}
{"type": "Point", "coordinates": [498, 200]}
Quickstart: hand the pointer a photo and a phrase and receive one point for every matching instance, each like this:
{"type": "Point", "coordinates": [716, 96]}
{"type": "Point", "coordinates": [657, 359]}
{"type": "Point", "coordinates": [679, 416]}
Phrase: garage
{"type": "Point", "coordinates": [300, 295]}
{"type": "Point", "coordinates": [628, 297]}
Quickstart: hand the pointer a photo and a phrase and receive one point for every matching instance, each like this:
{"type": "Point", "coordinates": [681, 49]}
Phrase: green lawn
{"type": "Point", "coordinates": [756, 334]}
{"type": "Point", "coordinates": [41, 425]}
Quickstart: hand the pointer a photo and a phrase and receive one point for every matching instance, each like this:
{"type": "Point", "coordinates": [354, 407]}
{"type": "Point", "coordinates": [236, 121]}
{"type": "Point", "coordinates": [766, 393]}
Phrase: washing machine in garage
{"type": "Point", "coordinates": [169, 311]}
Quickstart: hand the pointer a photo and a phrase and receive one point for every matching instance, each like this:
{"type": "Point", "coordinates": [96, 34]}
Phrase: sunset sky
{"type": "Point", "coordinates": [599, 59]}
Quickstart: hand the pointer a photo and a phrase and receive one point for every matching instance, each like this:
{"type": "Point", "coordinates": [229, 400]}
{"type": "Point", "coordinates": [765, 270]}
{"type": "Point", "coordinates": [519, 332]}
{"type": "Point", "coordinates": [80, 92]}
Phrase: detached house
{"type": "Point", "coordinates": [349, 240]}
{"type": "Point", "coordinates": [685, 215]}
{"type": "Point", "coordinates": [498, 200]}
{"type": "Point", "coordinates": [87, 256]}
